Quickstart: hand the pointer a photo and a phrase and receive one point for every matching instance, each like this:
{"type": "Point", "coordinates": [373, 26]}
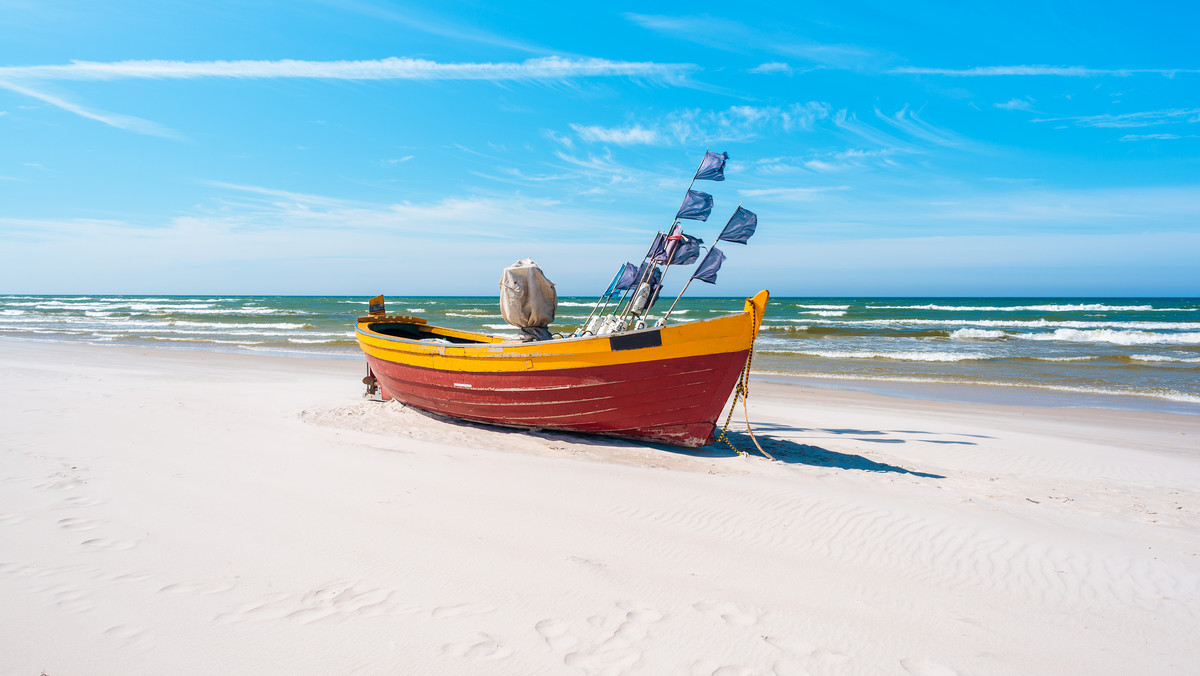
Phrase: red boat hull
{"type": "Point", "coordinates": [675, 401]}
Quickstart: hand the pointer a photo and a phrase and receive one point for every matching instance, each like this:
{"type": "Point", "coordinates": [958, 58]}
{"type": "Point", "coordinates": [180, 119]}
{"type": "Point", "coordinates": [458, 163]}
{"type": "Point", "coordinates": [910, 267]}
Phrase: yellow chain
{"type": "Point", "coordinates": [743, 392]}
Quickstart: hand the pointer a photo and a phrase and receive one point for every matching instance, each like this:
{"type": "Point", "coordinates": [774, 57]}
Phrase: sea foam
{"type": "Point", "coordinates": [1115, 337]}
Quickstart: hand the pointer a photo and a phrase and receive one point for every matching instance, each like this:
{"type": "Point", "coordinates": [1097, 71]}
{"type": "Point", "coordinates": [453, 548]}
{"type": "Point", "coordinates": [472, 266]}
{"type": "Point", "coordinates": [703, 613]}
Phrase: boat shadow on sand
{"type": "Point", "coordinates": [796, 453]}
{"type": "Point", "coordinates": [781, 449]}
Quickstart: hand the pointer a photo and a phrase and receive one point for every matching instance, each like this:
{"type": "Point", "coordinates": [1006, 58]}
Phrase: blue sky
{"type": "Point", "coordinates": [353, 147]}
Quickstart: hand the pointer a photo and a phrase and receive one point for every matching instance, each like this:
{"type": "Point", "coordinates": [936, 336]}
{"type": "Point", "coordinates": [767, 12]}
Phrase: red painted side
{"type": "Point", "coordinates": [676, 401]}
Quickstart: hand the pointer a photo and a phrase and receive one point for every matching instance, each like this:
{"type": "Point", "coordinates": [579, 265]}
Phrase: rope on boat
{"type": "Point", "coordinates": [743, 392]}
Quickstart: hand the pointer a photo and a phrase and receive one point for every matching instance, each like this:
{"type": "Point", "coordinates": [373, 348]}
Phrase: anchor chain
{"type": "Point", "coordinates": [743, 392]}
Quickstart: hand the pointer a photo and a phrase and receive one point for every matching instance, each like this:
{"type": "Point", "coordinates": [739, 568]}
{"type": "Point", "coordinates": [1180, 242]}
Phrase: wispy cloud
{"type": "Point", "coordinates": [772, 67]}
{"type": "Point", "coordinates": [849, 159]}
{"type": "Point", "coordinates": [126, 122]}
{"type": "Point", "coordinates": [412, 17]}
{"type": "Point", "coordinates": [849, 122]}
{"type": "Point", "coordinates": [392, 68]}
{"type": "Point", "coordinates": [737, 37]}
{"type": "Point", "coordinates": [1153, 137]}
{"type": "Point", "coordinates": [792, 194]}
{"type": "Point", "coordinates": [1057, 71]}
{"type": "Point", "coordinates": [908, 122]}
{"type": "Point", "coordinates": [1148, 118]}
{"type": "Point", "coordinates": [25, 79]}
{"type": "Point", "coordinates": [634, 135]}
{"type": "Point", "coordinates": [683, 127]}
{"type": "Point", "coordinates": [1016, 104]}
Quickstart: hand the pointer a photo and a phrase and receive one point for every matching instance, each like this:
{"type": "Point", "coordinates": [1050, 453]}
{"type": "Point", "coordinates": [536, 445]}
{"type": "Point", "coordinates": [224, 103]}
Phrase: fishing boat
{"type": "Point", "coordinates": [614, 375]}
{"type": "Point", "coordinates": [666, 384]}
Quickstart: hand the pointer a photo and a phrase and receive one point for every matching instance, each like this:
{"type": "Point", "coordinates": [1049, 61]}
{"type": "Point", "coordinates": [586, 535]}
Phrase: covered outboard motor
{"type": "Point", "coordinates": [527, 299]}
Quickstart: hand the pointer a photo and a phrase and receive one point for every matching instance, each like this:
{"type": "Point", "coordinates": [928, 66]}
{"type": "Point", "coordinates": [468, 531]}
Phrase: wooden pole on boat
{"type": "Point", "coordinates": [672, 309]}
{"type": "Point", "coordinates": [650, 269]}
{"type": "Point", "coordinates": [689, 282]}
{"type": "Point", "coordinates": [607, 295]}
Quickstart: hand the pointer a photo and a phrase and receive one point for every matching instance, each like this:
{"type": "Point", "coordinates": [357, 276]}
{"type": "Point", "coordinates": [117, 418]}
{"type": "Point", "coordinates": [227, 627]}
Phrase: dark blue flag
{"type": "Point", "coordinates": [658, 249]}
{"type": "Point", "coordinates": [625, 279]}
{"type": "Point", "coordinates": [713, 167]}
{"type": "Point", "coordinates": [696, 206]}
{"type": "Point", "coordinates": [664, 247]}
{"type": "Point", "coordinates": [707, 270]}
{"type": "Point", "coordinates": [654, 277]}
{"type": "Point", "coordinates": [688, 250]}
{"type": "Point", "coordinates": [740, 227]}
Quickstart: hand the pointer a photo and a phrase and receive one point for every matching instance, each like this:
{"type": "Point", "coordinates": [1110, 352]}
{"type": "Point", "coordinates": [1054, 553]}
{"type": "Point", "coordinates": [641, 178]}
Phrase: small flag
{"type": "Point", "coordinates": [740, 227]}
{"type": "Point", "coordinates": [658, 249]}
{"type": "Point", "coordinates": [654, 276]}
{"type": "Point", "coordinates": [664, 248]}
{"type": "Point", "coordinates": [707, 270]}
{"type": "Point", "coordinates": [712, 168]}
{"type": "Point", "coordinates": [688, 250]}
{"type": "Point", "coordinates": [627, 278]}
{"type": "Point", "coordinates": [375, 306]}
{"type": "Point", "coordinates": [696, 206]}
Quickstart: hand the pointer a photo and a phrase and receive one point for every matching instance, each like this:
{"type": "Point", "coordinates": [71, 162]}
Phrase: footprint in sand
{"type": "Point", "coordinates": [71, 599]}
{"type": "Point", "coordinates": [132, 636]}
{"type": "Point", "coordinates": [731, 613]}
{"type": "Point", "coordinates": [611, 642]}
{"type": "Point", "coordinates": [79, 501]}
{"type": "Point", "coordinates": [460, 610]}
{"type": "Point", "coordinates": [554, 633]}
{"type": "Point", "coordinates": [204, 588]}
{"type": "Point", "coordinates": [829, 659]}
{"type": "Point", "coordinates": [478, 647]}
{"type": "Point", "coordinates": [135, 576]}
{"type": "Point", "coordinates": [112, 545]}
{"type": "Point", "coordinates": [77, 523]}
{"type": "Point", "coordinates": [339, 599]}
{"type": "Point", "coordinates": [919, 666]}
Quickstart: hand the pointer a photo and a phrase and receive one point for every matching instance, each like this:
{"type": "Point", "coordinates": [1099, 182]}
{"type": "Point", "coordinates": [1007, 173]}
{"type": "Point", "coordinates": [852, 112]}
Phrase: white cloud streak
{"type": "Point", "coordinates": [1148, 118]}
{"type": "Point", "coordinates": [393, 68]}
{"type": "Point", "coordinates": [635, 135]}
{"type": "Point", "coordinates": [1057, 71]}
{"type": "Point", "coordinates": [126, 122]}
{"type": "Point", "coordinates": [23, 79]}
{"type": "Point", "coordinates": [1152, 137]}
{"type": "Point", "coordinates": [773, 67]}
{"type": "Point", "coordinates": [683, 127]}
{"type": "Point", "coordinates": [1016, 104]}
{"type": "Point", "coordinates": [737, 37]}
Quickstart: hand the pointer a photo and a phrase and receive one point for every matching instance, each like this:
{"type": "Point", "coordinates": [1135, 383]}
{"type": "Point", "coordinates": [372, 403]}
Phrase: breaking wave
{"type": "Point", "coordinates": [1115, 337]}
{"type": "Point", "coordinates": [978, 334]}
{"type": "Point", "coordinates": [903, 356]}
{"type": "Point", "coordinates": [1086, 307]}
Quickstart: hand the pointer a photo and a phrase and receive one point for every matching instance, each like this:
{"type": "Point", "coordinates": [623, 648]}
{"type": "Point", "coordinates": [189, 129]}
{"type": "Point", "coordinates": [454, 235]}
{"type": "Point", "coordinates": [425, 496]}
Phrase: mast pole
{"type": "Point", "coordinates": [672, 308]}
{"type": "Point", "coordinates": [604, 298]}
{"type": "Point", "coordinates": [650, 270]}
{"type": "Point", "coordinates": [685, 286]}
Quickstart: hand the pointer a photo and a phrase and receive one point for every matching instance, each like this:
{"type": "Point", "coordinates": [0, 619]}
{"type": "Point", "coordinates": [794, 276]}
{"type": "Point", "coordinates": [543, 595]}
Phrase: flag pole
{"type": "Point", "coordinates": [631, 291]}
{"type": "Point", "coordinates": [650, 269]}
{"type": "Point", "coordinates": [672, 308]}
{"type": "Point", "coordinates": [604, 298]}
{"type": "Point", "coordinates": [685, 286]}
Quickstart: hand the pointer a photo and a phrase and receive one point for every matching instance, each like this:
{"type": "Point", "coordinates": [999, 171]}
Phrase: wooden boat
{"type": "Point", "coordinates": [667, 384]}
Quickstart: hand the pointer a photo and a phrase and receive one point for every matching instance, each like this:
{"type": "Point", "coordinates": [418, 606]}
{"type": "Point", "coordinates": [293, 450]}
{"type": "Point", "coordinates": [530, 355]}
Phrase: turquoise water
{"type": "Point", "coordinates": [1143, 347]}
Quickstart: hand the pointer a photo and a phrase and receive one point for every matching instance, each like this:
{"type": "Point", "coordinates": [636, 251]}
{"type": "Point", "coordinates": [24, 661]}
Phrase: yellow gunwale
{"type": "Point", "coordinates": [493, 354]}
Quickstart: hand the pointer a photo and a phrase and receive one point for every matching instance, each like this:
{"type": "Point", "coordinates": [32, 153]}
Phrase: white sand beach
{"type": "Point", "coordinates": [187, 512]}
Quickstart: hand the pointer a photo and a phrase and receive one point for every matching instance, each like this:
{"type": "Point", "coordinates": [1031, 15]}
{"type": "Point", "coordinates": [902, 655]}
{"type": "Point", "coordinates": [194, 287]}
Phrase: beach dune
{"type": "Point", "coordinates": [174, 511]}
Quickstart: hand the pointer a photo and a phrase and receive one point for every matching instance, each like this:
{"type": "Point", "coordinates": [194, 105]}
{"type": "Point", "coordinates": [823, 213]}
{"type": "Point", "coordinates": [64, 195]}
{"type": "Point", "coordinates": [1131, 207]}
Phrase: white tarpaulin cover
{"type": "Point", "coordinates": [527, 298]}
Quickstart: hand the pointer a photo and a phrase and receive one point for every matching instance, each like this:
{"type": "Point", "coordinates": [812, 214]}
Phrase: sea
{"type": "Point", "coordinates": [1123, 352]}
